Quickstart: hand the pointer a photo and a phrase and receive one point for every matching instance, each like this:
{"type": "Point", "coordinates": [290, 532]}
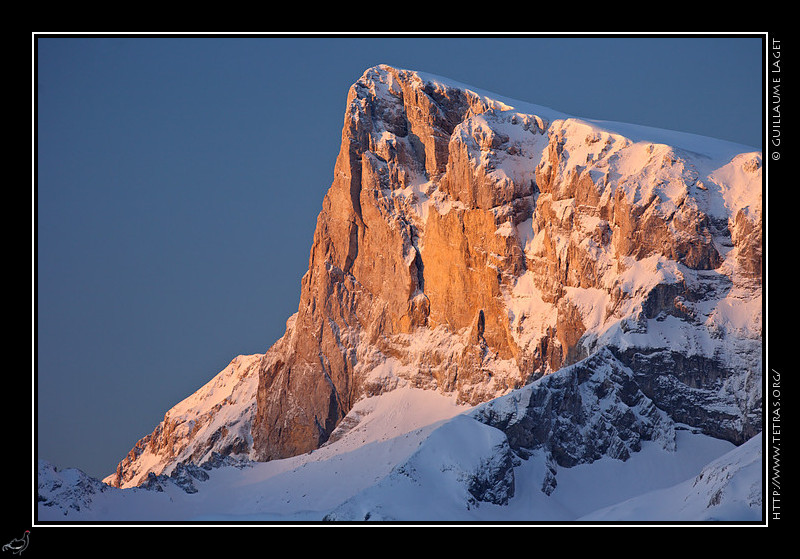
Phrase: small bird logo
{"type": "Point", "coordinates": [18, 545]}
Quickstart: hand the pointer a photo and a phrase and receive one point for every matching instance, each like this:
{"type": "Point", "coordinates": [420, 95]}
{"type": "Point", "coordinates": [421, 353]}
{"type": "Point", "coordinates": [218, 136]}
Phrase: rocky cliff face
{"type": "Point", "coordinates": [472, 244]}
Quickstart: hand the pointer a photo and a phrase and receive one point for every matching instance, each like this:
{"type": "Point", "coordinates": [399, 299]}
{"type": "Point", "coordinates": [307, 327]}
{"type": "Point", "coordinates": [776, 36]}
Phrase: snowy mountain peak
{"type": "Point", "coordinates": [589, 286]}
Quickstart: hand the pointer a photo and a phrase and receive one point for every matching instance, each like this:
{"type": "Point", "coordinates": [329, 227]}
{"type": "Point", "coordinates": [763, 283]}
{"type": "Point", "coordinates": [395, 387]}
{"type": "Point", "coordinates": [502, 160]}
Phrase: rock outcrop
{"type": "Point", "coordinates": [473, 244]}
{"type": "Point", "coordinates": [580, 414]}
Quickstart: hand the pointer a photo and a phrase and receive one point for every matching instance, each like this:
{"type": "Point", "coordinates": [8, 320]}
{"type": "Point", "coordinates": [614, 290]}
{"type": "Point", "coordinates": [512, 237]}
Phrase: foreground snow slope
{"type": "Point", "coordinates": [412, 455]}
{"type": "Point", "coordinates": [727, 488]}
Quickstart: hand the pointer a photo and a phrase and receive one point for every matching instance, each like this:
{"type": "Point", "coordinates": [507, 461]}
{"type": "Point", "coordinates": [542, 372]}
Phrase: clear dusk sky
{"type": "Point", "coordinates": [179, 180]}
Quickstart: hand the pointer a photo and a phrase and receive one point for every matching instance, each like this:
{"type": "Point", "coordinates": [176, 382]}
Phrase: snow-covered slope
{"type": "Point", "coordinates": [378, 434]}
{"type": "Point", "coordinates": [415, 455]}
{"type": "Point", "coordinates": [729, 488]}
{"type": "Point", "coordinates": [214, 421]}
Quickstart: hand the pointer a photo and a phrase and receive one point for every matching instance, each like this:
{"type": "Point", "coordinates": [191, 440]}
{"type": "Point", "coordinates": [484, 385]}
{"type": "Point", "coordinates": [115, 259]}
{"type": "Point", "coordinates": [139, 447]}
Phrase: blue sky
{"type": "Point", "coordinates": [179, 180]}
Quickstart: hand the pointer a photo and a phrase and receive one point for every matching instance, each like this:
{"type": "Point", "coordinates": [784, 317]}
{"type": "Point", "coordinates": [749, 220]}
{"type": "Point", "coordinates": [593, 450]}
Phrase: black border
{"type": "Point", "coordinates": [75, 533]}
